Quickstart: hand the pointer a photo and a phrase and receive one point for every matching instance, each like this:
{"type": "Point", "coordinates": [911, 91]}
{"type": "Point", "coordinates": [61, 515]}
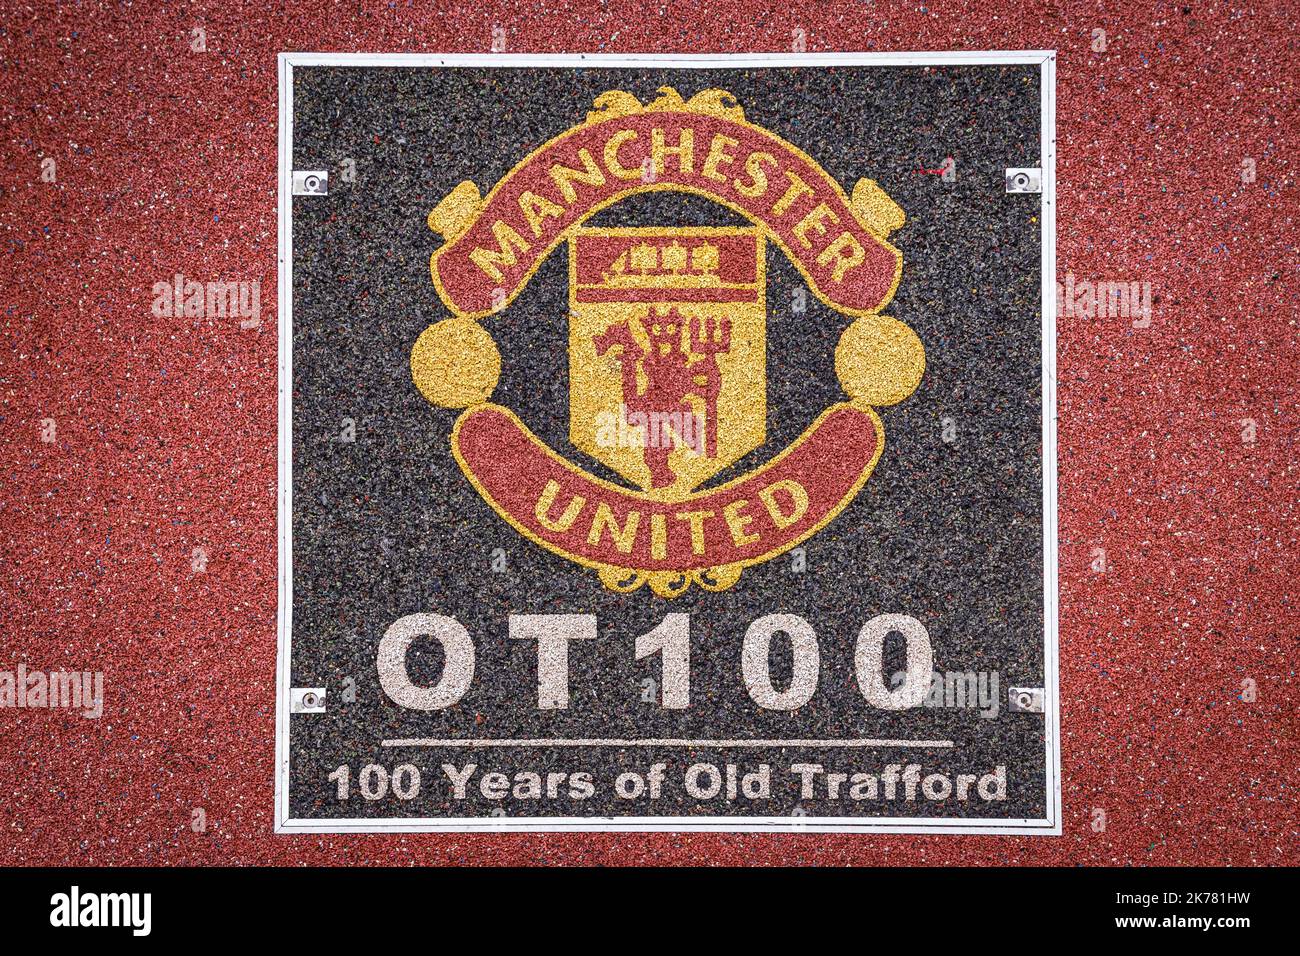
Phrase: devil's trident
{"type": "Point", "coordinates": [710, 340]}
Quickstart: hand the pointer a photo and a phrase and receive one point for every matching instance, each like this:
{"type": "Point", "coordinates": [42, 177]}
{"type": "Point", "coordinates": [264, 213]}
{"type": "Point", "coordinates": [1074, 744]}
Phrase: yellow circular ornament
{"type": "Point", "coordinates": [879, 360]}
{"type": "Point", "coordinates": [455, 363]}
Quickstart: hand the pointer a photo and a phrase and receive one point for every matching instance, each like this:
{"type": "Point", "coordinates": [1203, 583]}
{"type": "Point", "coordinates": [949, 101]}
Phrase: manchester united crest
{"type": "Point", "coordinates": [667, 343]}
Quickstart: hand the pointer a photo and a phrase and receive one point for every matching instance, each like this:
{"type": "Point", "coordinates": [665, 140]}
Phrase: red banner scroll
{"type": "Point", "coordinates": [496, 243]}
{"type": "Point", "coordinates": [596, 523]}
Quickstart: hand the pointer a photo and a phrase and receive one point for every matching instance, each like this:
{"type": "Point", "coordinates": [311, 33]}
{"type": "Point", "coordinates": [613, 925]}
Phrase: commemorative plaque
{"type": "Point", "coordinates": [667, 443]}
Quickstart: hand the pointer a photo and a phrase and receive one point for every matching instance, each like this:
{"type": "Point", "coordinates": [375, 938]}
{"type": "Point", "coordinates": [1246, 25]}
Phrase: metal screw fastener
{"type": "Point", "coordinates": [1024, 180]}
{"type": "Point", "coordinates": [307, 700]}
{"type": "Point", "coordinates": [1026, 699]}
{"type": "Point", "coordinates": [311, 182]}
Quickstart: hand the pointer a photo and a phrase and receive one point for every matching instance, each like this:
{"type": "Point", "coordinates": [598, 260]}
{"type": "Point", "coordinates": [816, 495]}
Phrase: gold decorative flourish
{"type": "Point", "coordinates": [718, 579]}
{"type": "Point", "coordinates": [457, 212]}
{"type": "Point", "coordinates": [716, 103]}
{"type": "Point", "coordinates": [669, 584]}
{"type": "Point", "coordinates": [622, 580]}
{"type": "Point", "coordinates": [615, 104]}
{"type": "Point", "coordinates": [877, 211]}
{"type": "Point", "coordinates": [668, 101]}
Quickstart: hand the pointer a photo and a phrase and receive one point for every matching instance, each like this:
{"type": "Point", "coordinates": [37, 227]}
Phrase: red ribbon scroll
{"type": "Point", "coordinates": [596, 523]}
{"type": "Point", "coordinates": [498, 242]}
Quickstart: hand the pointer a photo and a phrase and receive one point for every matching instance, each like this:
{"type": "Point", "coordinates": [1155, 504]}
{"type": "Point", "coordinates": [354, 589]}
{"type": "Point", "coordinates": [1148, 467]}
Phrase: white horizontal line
{"type": "Point", "coordinates": [659, 742]}
{"type": "Point", "coordinates": [683, 61]}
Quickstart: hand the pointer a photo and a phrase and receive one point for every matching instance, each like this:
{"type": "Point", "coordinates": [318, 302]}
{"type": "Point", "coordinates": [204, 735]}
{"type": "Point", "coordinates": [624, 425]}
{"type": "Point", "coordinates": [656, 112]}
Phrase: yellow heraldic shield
{"type": "Point", "coordinates": [667, 366]}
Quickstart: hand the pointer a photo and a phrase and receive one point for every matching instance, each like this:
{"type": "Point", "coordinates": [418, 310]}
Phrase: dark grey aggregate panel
{"type": "Point", "coordinates": [949, 532]}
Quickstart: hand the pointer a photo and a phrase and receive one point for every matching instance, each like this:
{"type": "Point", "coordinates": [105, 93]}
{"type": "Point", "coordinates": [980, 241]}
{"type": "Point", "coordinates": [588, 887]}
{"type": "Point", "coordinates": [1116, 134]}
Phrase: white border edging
{"type": "Point", "coordinates": [1050, 825]}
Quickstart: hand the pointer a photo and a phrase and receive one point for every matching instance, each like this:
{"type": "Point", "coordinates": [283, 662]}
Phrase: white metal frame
{"type": "Point", "coordinates": [1045, 60]}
